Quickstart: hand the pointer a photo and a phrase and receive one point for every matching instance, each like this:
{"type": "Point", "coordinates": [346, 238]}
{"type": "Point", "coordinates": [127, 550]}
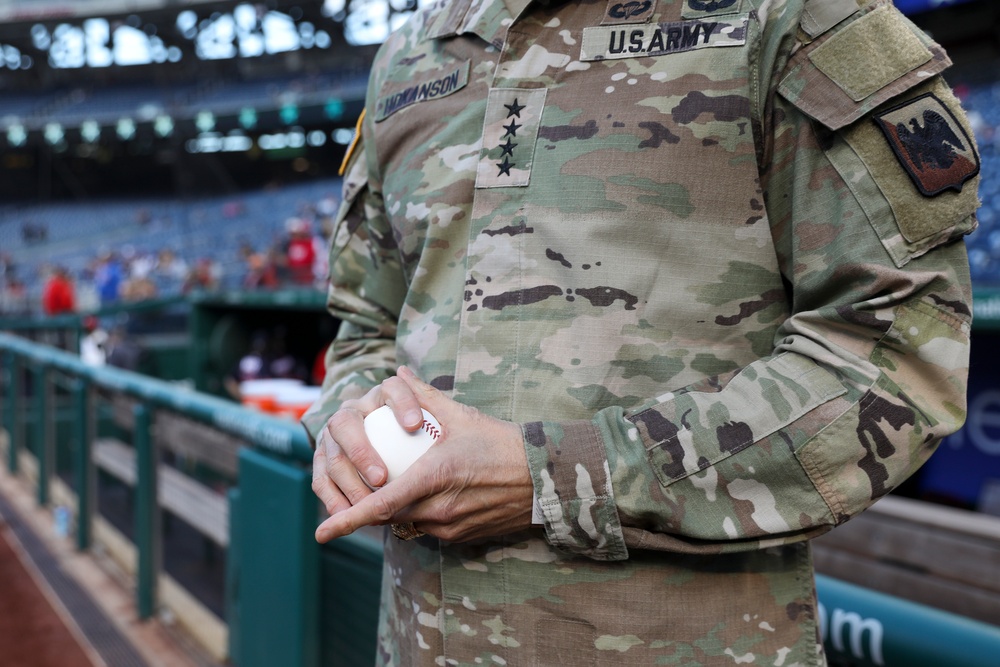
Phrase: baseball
{"type": "Point", "coordinates": [397, 447]}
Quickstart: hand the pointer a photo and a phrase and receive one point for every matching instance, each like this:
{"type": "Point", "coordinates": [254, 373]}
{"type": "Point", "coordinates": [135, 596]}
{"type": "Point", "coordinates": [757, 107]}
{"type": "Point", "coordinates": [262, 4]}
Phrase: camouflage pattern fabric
{"type": "Point", "coordinates": [664, 240]}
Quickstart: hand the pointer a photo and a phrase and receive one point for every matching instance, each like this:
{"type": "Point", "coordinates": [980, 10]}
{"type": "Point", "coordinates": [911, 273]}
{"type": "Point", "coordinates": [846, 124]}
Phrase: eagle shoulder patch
{"type": "Point", "coordinates": [930, 144]}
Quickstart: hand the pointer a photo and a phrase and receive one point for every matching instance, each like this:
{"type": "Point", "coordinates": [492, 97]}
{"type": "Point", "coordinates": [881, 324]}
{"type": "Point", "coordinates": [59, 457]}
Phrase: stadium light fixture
{"type": "Point", "coordinates": [289, 114]}
{"type": "Point", "coordinates": [316, 138]}
{"type": "Point", "coordinates": [163, 126]}
{"type": "Point", "coordinates": [16, 135]}
{"type": "Point", "coordinates": [342, 136]}
{"type": "Point", "coordinates": [248, 117]}
{"type": "Point", "coordinates": [205, 121]}
{"type": "Point", "coordinates": [90, 131]}
{"type": "Point", "coordinates": [55, 136]}
{"type": "Point", "coordinates": [333, 109]}
{"type": "Point", "coordinates": [126, 129]}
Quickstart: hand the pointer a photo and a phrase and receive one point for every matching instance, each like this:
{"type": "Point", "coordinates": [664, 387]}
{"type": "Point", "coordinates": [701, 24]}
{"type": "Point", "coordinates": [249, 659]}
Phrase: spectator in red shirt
{"type": "Point", "coordinates": [300, 252]}
{"type": "Point", "coordinates": [203, 276]}
{"type": "Point", "coordinates": [58, 296]}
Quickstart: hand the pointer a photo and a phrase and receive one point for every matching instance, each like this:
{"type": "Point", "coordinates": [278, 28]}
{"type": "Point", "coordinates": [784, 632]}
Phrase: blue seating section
{"type": "Point", "coordinates": [213, 228]}
{"type": "Point", "coordinates": [983, 105]}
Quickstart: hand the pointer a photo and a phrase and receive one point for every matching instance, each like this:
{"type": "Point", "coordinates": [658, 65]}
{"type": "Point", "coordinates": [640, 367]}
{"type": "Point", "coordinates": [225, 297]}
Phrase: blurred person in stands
{"type": "Point", "coordinates": [170, 270]}
{"type": "Point", "coordinates": [108, 276]}
{"type": "Point", "coordinates": [34, 232]}
{"type": "Point", "coordinates": [87, 296]}
{"type": "Point", "coordinates": [6, 268]}
{"type": "Point", "coordinates": [261, 271]}
{"type": "Point", "coordinates": [138, 289]}
{"type": "Point", "coordinates": [142, 264]}
{"type": "Point", "coordinates": [15, 297]}
{"type": "Point", "coordinates": [92, 344]}
{"type": "Point", "coordinates": [58, 296]}
{"type": "Point", "coordinates": [138, 284]}
{"type": "Point", "coordinates": [300, 251]}
{"type": "Point", "coordinates": [203, 276]}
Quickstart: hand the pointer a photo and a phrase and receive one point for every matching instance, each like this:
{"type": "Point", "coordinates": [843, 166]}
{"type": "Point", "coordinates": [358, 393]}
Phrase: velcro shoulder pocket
{"type": "Point", "coordinates": [866, 60]}
{"type": "Point", "coordinates": [902, 144]}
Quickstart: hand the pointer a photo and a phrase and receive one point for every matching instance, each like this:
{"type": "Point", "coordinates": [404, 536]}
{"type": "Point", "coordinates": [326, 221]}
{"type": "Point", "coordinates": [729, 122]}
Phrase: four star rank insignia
{"type": "Point", "coordinates": [509, 134]}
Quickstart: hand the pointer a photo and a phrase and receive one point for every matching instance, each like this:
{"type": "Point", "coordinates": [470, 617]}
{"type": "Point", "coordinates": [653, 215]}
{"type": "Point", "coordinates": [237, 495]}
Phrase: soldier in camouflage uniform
{"type": "Point", "coordinates": [686, 274]}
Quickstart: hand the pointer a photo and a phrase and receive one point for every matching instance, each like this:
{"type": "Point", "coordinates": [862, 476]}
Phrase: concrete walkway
{"type": "Point", "coordinates": [33, 633]}
{"type": "Point", "coordinates": [84, 594]}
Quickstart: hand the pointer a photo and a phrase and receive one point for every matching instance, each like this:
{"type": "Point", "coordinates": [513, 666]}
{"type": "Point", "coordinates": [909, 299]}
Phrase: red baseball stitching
{"type": "Point", "coordinates": [432, 430]}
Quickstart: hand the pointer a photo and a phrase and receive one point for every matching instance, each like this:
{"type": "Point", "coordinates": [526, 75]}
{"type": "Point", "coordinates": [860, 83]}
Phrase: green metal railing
{"type": "Point", "coordinates": [288, 601]}
{"type": "Point", "coordinates": [280, 458]}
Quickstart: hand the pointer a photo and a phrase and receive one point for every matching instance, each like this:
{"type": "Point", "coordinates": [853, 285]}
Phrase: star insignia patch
{"type": "Point", "coordinates": [505, 166]}
{"type": "Point", "coordinates": [510, 132]}
{"type": "Point", "coordinates": [508, 148]}
{"type": "Point", "coordinates": [514, 109]}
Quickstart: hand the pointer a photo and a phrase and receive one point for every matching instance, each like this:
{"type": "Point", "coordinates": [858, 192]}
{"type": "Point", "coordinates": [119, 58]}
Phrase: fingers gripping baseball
{"type": "Point", "coordinates": [473, 482]}
{"type": "Point", "coordinates": [446, 410]}
{"type": "Point", "coordinates": [331, 497]}
{"type": "Point", "coordinates": [351, 449]}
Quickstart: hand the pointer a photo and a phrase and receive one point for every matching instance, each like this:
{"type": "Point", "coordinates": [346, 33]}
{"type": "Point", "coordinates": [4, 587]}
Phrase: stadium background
{"type": "Point", "coordinates": [169, 154]}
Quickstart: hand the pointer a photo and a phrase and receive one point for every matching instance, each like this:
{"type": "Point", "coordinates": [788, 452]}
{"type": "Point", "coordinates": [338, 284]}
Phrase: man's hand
{"type": "Point", "coordinates": [473, 482]}
{"type": "Point", "coordinates": [343, 451]}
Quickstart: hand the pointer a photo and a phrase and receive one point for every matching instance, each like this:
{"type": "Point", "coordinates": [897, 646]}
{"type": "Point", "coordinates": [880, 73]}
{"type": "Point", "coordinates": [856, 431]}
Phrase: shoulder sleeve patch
{"type": "Point", "coordinates": [929, 150]}
{"type": "Point", "coordinates": [871, 58]}
{"type": "Point", "coordinates": [930, 143]}
{"type": "Point", "coordinates": [870, 53]}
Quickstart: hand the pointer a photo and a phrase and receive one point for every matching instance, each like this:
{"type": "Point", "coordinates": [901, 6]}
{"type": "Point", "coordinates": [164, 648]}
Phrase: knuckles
{"type": "Point", "coordinates": [340, 420]}
{"type": "Point", "coordinates": [335, 463]}
{"type": "Point", "coordinates": [382, 510]}
{"type": "Point", "coordinates": [393, 385]}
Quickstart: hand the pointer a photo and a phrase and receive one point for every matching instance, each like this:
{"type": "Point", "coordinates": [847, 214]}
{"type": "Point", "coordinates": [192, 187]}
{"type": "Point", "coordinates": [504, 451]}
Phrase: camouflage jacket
{"type": "Point", "coordinates": [709, 254]}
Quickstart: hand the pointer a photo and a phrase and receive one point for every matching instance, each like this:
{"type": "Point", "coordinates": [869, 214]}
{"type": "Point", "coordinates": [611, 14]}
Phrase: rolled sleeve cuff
{"type": "Point", "coordinates": [572, 480]}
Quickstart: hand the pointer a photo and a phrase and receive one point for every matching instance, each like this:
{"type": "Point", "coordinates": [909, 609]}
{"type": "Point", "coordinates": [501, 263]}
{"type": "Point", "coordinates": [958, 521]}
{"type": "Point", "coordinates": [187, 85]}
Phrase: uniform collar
{"type": "Point", "coordinates": [488, 19]}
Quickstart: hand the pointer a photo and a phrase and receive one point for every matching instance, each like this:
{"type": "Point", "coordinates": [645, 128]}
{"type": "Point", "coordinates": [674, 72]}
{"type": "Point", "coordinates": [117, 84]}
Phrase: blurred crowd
{"type": "Point", "coordinates": [295, 257]}
{"type": "Point", "coordinates": [982, 103]}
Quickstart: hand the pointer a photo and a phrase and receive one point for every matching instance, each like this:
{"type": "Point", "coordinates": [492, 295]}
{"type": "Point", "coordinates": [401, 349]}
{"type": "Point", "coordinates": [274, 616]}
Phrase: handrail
{"type": "Point", "coordinates": [263, 431]}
